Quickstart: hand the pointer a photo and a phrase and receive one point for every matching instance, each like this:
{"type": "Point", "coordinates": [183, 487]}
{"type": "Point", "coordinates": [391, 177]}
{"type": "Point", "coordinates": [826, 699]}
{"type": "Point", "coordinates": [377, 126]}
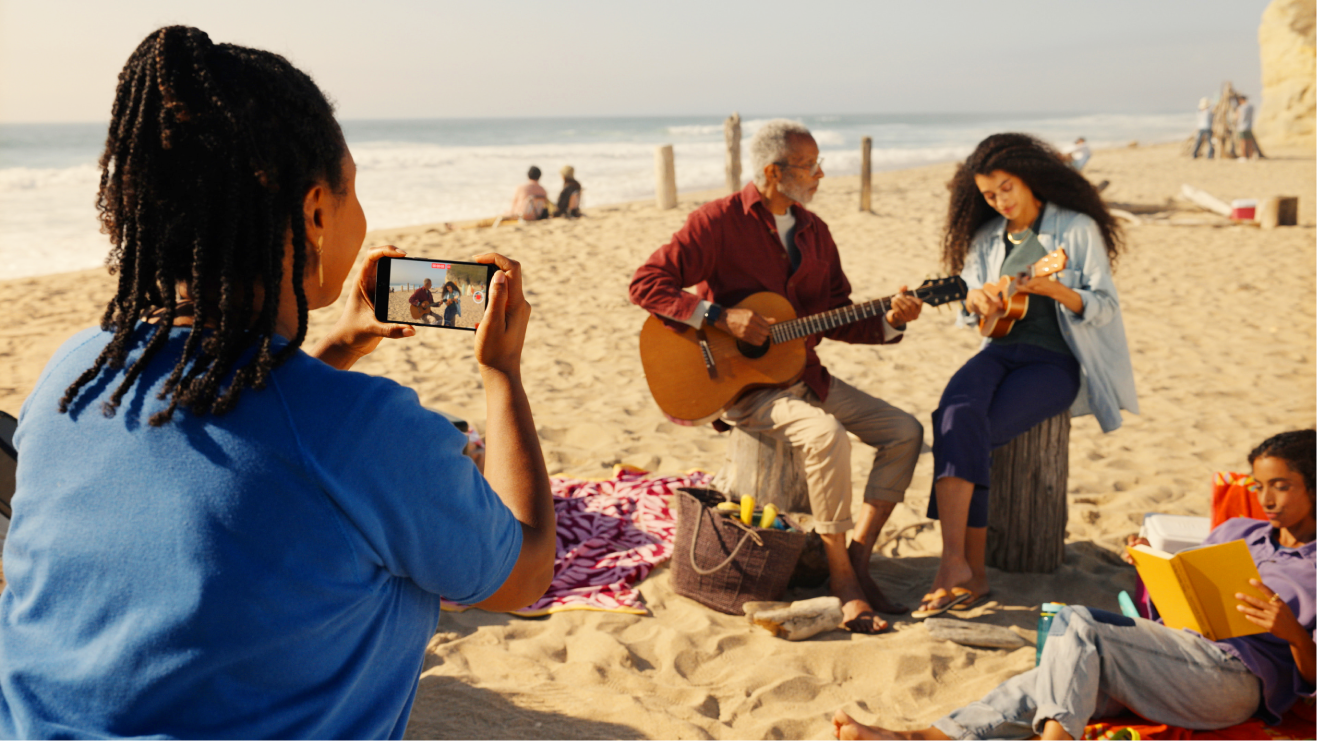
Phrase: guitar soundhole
{"type": "Point", "coordinates": [753, 351]}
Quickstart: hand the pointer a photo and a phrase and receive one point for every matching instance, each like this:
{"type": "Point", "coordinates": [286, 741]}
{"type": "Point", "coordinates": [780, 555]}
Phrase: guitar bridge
{"type": "Point", "coordinates": [706, 354]}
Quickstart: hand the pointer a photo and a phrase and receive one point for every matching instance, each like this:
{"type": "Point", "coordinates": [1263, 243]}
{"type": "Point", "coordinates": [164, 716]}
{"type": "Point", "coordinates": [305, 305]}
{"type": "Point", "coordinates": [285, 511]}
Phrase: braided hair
{"type": "Point", "coordinates": [1297, 449]}
{"type": "Point", "coordinates": [1039, 166]}
{"type": "Point", "coordinates": [210, 153]}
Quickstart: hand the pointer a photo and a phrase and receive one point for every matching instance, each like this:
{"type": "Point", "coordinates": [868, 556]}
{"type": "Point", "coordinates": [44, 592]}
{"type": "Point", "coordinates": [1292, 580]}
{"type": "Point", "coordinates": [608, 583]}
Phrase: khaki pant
{"type": "Point", "coordinates": [819, 432]}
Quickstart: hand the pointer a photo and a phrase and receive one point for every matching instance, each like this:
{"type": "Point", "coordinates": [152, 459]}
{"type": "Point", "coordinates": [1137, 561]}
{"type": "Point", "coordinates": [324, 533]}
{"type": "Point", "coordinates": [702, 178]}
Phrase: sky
{"type": "Point", "coordinates": [392, 59]}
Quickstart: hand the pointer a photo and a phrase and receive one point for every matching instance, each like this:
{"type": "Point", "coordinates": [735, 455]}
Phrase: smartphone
{"type": "Point", "coordinates": [432, 293]}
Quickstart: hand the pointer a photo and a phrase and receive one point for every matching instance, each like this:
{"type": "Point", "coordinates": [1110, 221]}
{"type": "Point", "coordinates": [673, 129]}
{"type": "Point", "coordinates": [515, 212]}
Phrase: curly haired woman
{"type": "Point", "coordinates": [1013, 202]}
{"type": "Point", "coordinates": [216, 533]}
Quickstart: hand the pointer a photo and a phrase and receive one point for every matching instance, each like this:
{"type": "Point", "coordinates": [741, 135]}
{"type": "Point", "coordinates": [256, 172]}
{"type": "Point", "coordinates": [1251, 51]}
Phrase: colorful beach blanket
{"type": "Point", "coordinates": [611, 534]}
{"type": "Point", "coordinates": [1299, 723]}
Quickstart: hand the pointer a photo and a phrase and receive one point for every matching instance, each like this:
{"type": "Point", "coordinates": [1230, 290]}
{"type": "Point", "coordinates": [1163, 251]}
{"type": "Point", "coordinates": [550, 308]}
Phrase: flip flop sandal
{"type": "Point", "coordinates": [960, 595]}
{"type": "Point", "coordinates": [976, 601]}
{"type": "Point", "coordinates": [883, 627]}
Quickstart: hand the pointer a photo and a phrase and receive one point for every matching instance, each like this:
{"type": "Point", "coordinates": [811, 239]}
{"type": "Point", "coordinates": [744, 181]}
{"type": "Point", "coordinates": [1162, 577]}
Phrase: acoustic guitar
{"type": "Point", "coordinates": [1013, 302]}
{"type": "Point", "coordinates": [697, 374]}
{"type": "Point", "coordinates": [420, 310]}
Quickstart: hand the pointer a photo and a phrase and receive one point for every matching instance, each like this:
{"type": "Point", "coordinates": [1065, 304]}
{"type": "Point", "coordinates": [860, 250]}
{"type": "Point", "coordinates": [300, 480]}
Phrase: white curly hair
{"type": "Point", "coordinates": [771, 144]}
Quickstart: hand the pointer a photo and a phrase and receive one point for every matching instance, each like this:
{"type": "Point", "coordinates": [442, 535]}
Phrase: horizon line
{"type": "Point", "coordinates": [721, 117]}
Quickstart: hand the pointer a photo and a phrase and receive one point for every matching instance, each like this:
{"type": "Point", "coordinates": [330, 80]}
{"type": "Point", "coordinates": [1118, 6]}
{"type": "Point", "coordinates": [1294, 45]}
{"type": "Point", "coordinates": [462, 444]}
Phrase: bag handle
{"type": "Point", "coordinates": [692, 552]}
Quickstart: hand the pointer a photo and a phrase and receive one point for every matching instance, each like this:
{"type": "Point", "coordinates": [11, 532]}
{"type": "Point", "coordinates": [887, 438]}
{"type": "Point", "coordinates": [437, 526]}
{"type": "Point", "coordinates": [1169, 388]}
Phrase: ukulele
{"type": "Point", "coordinates": [697, 374]}
{"type": "Point", "coordinates": [1013, 303]}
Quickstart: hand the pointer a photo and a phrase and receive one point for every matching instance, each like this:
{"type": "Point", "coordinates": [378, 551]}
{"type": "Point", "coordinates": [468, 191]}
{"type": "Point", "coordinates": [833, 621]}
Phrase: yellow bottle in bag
{"type": "Point", "coordinates": [748, 507]}
{"type": "Point", "coordinates": [768, 516]}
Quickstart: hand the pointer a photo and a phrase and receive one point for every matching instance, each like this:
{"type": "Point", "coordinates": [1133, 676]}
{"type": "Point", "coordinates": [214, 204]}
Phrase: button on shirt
{"type": "Point", "coordinates": [1290, 573]}
{"type": "Point", "coordinates": [729, 249]}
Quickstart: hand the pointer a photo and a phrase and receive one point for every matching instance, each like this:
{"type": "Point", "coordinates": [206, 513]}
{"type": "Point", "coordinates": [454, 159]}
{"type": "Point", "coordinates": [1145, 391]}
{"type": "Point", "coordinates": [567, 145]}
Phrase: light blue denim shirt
{"type": "Point", "coordinates": [1096, 336]}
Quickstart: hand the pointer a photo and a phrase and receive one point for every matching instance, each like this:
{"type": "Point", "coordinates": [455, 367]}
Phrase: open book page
{"type": "Point", "coordinates": [1194, 589]}
{"type": "Point", "coordinates": [1215, 573]}
{"type": "Point", "coordinates": [1165, 587]}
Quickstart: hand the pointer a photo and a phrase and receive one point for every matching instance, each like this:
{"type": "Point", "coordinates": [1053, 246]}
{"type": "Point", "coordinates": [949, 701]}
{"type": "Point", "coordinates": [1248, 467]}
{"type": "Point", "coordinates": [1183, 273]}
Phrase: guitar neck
{"type": "Point", "coordinates": [814, 324]}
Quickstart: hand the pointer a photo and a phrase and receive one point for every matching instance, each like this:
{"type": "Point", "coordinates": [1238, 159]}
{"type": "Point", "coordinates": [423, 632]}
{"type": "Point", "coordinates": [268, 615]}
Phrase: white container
{"type": "Point", "coordinates": [1174, 533]}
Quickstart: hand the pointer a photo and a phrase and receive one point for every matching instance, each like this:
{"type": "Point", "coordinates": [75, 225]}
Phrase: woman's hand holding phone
{"type": "Point", "coordinates": [503, 330]}
{"type": "Point", "coordinates": [515, 467]}
{"type": "Point", "coordinates": [358, 332]}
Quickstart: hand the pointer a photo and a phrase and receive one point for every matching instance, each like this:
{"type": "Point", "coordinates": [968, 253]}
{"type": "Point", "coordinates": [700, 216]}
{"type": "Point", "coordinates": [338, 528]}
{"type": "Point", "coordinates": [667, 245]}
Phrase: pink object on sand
{"type": "Point", "coordinates": [611, 534]}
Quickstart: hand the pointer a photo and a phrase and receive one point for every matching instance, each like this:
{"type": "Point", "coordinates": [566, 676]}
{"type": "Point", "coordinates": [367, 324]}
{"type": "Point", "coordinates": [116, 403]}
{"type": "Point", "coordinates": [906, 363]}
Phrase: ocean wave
{"type": "Point", "coordinates": [29, 178]}
{"type": "Point", "coordinates": [689, 130]}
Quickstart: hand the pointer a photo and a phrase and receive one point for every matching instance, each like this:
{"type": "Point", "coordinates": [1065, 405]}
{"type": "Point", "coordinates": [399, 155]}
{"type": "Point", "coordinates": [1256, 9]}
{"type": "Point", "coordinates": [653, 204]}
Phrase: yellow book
{"type": "Point", "coordinates": [1194, 589]}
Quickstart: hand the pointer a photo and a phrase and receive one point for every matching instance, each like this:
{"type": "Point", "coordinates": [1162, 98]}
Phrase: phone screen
{"type": "Point", "coordinates": [432, 293]}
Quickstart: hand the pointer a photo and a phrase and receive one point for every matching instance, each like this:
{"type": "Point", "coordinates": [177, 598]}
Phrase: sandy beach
{"type": "Point", "coordinates": [1221, 320]}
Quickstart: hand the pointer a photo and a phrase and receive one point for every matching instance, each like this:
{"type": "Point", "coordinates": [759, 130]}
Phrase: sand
{"type": "Point", "coordinates": [1221, 321]}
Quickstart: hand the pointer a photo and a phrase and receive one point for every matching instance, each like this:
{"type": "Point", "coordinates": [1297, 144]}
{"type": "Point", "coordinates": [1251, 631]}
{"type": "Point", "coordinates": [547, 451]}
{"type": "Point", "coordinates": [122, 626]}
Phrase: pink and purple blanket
{"type": "Point", "coordinates": [611, 534]}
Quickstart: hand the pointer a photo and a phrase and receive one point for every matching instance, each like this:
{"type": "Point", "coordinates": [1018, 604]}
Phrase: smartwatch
{"type": "Point", "coordinates": [713, 314]}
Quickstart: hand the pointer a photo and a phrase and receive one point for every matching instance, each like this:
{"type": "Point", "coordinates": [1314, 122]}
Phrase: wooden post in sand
{"type": "Point", "coordinates": [666, 190]}
{"type": "Point", "coordinates": [733, 153]}
{"type": "Point", "coordinates": [1277, 211]}
{"type": "Point", "coordinates": [1029, 499]}
{"type": "Point", "coordinates": [866, 173]}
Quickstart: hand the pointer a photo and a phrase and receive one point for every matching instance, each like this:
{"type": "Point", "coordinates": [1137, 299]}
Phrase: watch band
{"type": "Point", "coordinates": [713, 313]}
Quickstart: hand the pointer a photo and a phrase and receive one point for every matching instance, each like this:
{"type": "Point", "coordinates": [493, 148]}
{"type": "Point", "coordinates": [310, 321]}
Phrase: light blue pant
{"type": "Point", "coordinates": [1097, 663]}
{"type": "Point", "coordinates": [1203, 136]}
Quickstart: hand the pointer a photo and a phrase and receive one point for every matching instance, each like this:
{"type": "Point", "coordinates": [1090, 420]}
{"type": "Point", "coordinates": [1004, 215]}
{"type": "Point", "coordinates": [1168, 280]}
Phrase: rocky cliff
{"type": "Point", "coordinates": [1287, 66]}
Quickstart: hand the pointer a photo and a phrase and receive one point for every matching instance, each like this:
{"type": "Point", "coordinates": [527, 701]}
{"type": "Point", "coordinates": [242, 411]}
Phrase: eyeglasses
{"type": "Point", "coordinates": [813, 167]}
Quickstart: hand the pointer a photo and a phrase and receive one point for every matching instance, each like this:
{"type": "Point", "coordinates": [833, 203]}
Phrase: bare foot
{"type": "Point", "coordinates": [861, 562]}
{"type": "Point", "coordinates": [953, 573]}
{"type": "Point", "coordinates": [846, 727]}
{"type": "Point", "coordinates": [858, 617]}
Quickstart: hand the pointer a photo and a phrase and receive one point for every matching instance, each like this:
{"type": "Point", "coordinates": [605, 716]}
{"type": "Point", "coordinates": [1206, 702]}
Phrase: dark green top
{"type": "Point", "coordinates": [1040, 325]}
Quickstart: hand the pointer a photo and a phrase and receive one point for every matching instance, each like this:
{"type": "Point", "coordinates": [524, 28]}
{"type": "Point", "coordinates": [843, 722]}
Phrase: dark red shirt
{"type": "Point", "coordinates": [420, 296]}
{"type": "Point", "coordinates": [729, 249]}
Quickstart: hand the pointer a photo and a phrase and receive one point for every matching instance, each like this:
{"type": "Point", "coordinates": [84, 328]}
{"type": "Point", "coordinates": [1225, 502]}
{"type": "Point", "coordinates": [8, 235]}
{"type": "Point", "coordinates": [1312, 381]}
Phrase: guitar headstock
{"type": "Point", "coordinates": [937, 291]}
{"type": "Point", "coordinates": [1050, 264]}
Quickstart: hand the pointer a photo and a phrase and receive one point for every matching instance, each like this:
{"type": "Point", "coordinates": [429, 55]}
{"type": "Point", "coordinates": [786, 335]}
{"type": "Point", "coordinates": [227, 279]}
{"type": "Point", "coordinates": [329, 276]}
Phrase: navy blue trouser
{"type": "Point", "coordinates": [1000, 393]}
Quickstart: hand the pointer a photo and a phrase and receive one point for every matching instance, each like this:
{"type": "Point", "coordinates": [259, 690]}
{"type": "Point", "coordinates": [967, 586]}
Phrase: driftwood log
{"type": "Point", "coordinates": [1029, 499]}
{"type": "Point", "coordinates": [974, 634]}
{"type": "Point", "coordinates": [1205, 200]}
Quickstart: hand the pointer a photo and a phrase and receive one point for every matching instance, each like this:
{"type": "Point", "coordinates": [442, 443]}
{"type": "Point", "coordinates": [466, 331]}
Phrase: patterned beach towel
{"type": "Point", "coordinates": [611, 534]}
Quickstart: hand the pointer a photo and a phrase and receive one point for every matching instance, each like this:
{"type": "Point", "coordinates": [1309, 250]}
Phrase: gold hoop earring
{"type": "Point", "coordinates": [320, 264]}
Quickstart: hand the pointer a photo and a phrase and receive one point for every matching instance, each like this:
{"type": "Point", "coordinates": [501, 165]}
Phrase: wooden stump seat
{"type": "Point", "coordinates": [1028, 490]}
{"type": "Point", "coordinates": [1029, 499]}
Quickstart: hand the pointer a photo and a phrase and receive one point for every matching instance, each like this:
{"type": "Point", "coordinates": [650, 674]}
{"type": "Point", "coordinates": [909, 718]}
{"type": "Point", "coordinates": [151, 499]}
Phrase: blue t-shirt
{"type": "Point", "coordinates": [274, 572]}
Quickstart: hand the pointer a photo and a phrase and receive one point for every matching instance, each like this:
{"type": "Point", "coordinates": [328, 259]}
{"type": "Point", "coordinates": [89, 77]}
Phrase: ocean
{"type": "Point", "coordinates": [443, 170]}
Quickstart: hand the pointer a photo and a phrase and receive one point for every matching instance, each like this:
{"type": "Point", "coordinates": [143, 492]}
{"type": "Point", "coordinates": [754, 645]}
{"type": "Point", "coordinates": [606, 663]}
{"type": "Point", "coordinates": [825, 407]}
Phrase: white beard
{"type": "Point", "coordinates": [798, 192]}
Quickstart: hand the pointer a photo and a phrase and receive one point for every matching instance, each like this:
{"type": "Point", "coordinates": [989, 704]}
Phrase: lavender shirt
{"type": "Point", "coordinates": [1290, 573]}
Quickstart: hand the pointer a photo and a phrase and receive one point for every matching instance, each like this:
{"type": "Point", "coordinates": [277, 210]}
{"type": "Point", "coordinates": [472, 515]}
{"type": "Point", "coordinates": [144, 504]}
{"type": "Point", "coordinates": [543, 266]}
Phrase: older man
{"type": "Point", "coordinates": [764, 239]}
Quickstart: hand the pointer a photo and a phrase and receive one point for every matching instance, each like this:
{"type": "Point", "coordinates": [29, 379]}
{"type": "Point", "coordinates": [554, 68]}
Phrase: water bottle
{"type": "Point", "coordinates": [1047, 611]}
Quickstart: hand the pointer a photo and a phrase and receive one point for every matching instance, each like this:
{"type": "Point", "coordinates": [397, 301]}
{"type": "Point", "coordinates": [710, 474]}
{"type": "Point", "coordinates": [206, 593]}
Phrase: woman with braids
{"type": "Point", "coordinates": [1012, 202]}
{"type": "Point", "coordinates": [1100, 664]}
{"type": "Point", "coordinates": [217, 532]}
